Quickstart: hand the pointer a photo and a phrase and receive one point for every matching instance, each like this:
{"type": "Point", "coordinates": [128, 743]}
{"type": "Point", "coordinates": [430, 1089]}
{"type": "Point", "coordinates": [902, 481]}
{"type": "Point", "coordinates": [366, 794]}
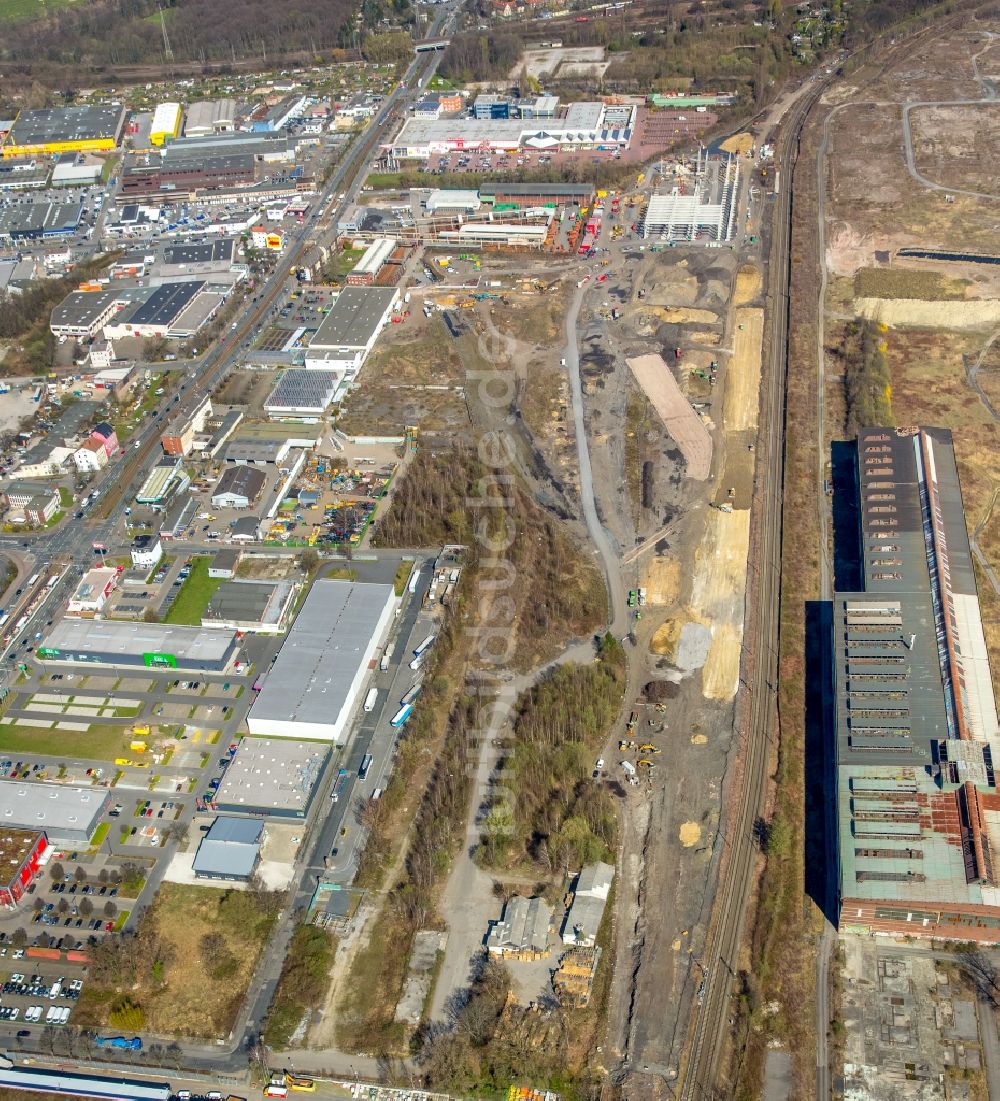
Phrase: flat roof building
{"type": "Point", "coordinates": [67, 814]}
{"type": "Point", "coordinates": [916, 722]}
{"type": "Point", "coordinates": [92, 593]}
{"type": "Point", "coordinates": [256, 607]}
{"type": "Point", "coordinates": [349, 331]}
{"type": "Point", "coordinates": [318, 676]}
{"type": "Point", "coordinates": [151, 645]}
{"type": "Point", "coordinates": [159, 311]}
{"type": "Point", "coordinates": [302, 393]}
{"type": "Point", "coordinates": [221, 250]}
{"type": "Point", "coordinates": [230, 850]}
{"type": "Point", "coordinates": [166, 124]}
{"type": "Point", "coordinates": [466, 202]}
{"type": "Point", "coordinates": [50, 130]}
{"type": "Point", "coordinates": [264, 444]}
{"type": "Point", "coordinates": [21, 856]}
{"type": "Point", "coordinates": [83, 314]}
{"type": "Point", "coordinates": [500, 193]}
{"type": "Point", "coordinates": [276, 778]}
{"type": "Point", "coordinates": [585, 125]}
{"type": "Point", "coordinates": [38, 220]}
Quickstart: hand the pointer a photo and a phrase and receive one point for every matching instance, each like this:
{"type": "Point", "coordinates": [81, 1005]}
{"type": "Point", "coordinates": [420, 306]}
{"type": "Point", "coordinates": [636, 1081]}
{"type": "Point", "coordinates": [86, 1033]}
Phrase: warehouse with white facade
{"type": "Point", "coordinates": [349, 331]}
{"type": "Point", "coordinates": [321, 670]}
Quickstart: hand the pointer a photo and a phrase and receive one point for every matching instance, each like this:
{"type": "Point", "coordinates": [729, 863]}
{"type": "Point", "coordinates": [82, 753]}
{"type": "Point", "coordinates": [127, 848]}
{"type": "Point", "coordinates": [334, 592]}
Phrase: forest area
{"type": "Point", "coordinates": [24, 321]}
{"type": "Point", "coordinates": [867, 382]}
{"type": "Point", "coordinates": [559, 594]}
{"type": "Point", "coordinates": [546, 810]}
{"type": "Point", "coordinates": [70, 42]}
{"type": "Point", "coordinates": [718, 46]}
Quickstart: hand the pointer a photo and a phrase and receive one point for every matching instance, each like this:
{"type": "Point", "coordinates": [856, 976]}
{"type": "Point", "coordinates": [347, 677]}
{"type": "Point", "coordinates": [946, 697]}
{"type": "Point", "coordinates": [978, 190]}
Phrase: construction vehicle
{"type": "Point", "coordinates": [625, 745]}
{"type": "Point", "coordinates": [632, 720]}
{"type": "Point", "coordinates": [644, 763]}
{"type": "Point", "coordinates": [298, 1083]}
{"type": "Point", "coordinates": [647, 748]}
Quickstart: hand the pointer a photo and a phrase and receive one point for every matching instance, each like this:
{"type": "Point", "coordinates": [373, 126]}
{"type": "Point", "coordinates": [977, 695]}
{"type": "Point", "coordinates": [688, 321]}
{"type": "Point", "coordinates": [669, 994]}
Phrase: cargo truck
{"type": "Point", "coordinates": [401, 716]}
{"type": "Point", "coordinates": [371, 699]}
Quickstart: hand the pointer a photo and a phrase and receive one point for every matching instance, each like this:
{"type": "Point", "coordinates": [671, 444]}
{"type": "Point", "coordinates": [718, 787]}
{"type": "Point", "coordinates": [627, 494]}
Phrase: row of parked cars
{"type": "Point", "coordinates": [86, 888]}
{"type": "Point", "coordinates": [54, 1015]}
{"type": "Point", "coordinates": [37, 987]}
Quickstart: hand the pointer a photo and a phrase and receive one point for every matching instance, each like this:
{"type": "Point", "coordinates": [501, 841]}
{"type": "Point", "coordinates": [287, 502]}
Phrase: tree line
{"type": "Point", "coordinates": [867, 382]}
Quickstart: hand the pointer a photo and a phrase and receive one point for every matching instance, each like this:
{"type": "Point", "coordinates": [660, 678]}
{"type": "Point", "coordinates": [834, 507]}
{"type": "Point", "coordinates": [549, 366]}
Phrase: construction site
{"type": "Point", "coordinates": [669, 344]}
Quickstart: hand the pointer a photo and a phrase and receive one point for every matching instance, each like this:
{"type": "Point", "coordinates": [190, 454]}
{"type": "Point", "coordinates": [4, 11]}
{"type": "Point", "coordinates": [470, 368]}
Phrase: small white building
{"type": "Point", "coordinates": [147, 550]}
{"type": "Point", "coordinates": [102, 354]}
{"type": "Point", "coordinates": [91, 456]}
{"type": "Point", "coordinates": [590, 896]}
{"type": "Point", "coordinates": [93, 591]}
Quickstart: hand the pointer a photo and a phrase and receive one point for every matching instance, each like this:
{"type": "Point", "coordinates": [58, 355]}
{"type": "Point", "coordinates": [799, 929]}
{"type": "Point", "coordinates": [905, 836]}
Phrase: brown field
{"type": "Point", "coordinates": [958, 146]}
{"type": "Point", "coordinates": [747, 286]}
{"type": "Point", "coordinates": [180, 997]}
{"type": "Point", "coordinates": [742, 397]}
{"type": "Point", "coordinates": [413, 377]}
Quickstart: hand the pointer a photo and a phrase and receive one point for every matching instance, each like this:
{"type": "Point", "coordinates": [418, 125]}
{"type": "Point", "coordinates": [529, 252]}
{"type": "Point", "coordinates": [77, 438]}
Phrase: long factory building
{"type": "Point", "coordinates": [318, 677]}
{"type": "Point", "coordinates": [917, 738]}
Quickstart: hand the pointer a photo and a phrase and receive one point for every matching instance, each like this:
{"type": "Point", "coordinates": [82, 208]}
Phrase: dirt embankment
{"type": "Point", "coordinates": [980, 313]}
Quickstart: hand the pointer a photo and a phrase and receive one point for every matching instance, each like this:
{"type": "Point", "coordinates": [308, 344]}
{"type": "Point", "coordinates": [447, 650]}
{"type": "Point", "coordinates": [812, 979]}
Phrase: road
{"type": "Point", "coordinates": [758, 719]}
{"type": "Point", "coordinates": [610, 562]}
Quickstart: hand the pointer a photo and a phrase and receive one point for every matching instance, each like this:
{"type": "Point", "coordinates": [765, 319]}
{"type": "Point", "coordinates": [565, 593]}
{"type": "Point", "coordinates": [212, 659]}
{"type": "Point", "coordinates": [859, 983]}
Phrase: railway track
{"type": "Point", "coordinates": [757, 718]}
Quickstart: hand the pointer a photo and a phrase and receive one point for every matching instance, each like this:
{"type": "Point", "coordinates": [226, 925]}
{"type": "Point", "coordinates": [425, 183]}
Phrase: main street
{"type": "Point", "coordinates": [73, 541]}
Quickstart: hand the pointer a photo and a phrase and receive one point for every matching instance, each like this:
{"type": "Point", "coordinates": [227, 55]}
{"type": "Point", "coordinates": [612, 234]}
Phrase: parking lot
{"type": "Point", "coordinates": [293, 320]}
{"type": "Point", "coordinates": [38, 997]}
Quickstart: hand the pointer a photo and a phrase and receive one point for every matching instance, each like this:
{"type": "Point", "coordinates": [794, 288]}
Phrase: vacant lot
{"type": "Point", "coordinates": [186, 971]}
{"type": "Point", "coordinates": [100, 743]}
{"type": "Point", "coordinates": [415, 376]}
{"type": "Point", "coordinates": [958, 146]}
{"type": "Point", "coordinates": [195, 594]}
